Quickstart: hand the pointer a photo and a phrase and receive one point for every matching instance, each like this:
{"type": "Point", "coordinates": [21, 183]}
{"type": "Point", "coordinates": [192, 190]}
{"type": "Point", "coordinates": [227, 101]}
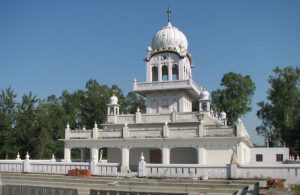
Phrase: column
{"type": "Point", "coordinates": [170, 72]}
{"type": "Point", "coordinates": [201, 156]}
{"type": "Point", "coordinates": [159, 73]}
{"type": "Point", "coordinates": [165, 155]}
{"type": "Point", "coordinates": [67, 154]}
{"type": "Point", "coordinates": [94, 154]}
{"type": "Point", "coordinates": [239, 153]}
{"type": "Point", "coordinates": [125, 159]}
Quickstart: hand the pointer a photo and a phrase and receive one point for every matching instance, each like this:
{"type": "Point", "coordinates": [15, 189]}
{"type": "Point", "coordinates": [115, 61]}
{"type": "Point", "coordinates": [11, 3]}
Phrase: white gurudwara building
{"type": "Point", "coordinates": [169, 132]}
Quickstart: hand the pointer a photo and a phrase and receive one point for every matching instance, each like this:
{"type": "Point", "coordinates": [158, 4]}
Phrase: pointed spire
{"type": "Point", "coordinates": [18, 156]}
{"type": "Point", "coordinates": [68, 126]}
{"type": "Point", "coordinates": [53, 158]}
{"type": "Point", "coordinates": [142, 157]}
{"type": "Point", "coordinates": [95, 125]}
{"type": "Point", "coordinates": [27, 156]}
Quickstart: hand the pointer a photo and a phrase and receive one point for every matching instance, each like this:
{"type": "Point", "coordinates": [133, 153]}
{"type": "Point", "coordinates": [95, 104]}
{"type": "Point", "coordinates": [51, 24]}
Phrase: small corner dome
{"type": "Point", "coordinates": [113, 100]}
{"type": "Point", "coordinates": [169, 37]}
{"type": "Point", "coordinates": [223, 115]}
{"type": "Point", "coordinates": [204, 95]}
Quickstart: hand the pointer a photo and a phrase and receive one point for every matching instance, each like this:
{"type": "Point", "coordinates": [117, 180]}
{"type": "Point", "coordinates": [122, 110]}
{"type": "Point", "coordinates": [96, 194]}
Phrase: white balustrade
{"type": "Point", "coordinates": [80, 134]}
{"type": "Point", "coordinates": [184, 131]}
{"type": "Point", "coordinates": [11, 165]}
{"type": "Point", "coordinates": [289, 172]}
{"type": "Point", "coordinates": [185, 170]}
{"type": "Point", "coordinates": [145, 132]}
{"type": "Point", "coordinates": [216, 131]}
{"type": "Point", "coordinates": [112, 133]}
{"type": "Point", "coordinates": [47, 167]}
{"type": "Point", "coordinates": [106, 169]}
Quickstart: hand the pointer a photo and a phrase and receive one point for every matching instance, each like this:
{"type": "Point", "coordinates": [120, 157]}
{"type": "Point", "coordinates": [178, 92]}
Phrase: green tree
{"type": "Point", "coordinates": [134, 101]}
{"type": "Point", "coordinates": [26, 124]}
{"type": "Point", "coordinates": [280, 114]}
{"type": "Point", "coordinates": [8, 148]}
{"type": "Point", "coordinates": [72, 104]}
{"type": "Point", "coordinates": [51, 121]}
{"type": "Point", "coordinates": [235, 95]}
{"type": "Point", "coordinates": [94, 105]}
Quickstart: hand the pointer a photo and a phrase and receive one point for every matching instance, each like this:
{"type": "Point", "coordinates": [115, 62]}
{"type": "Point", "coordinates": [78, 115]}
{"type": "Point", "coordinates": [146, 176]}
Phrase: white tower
{"type": "Point", "coordinates": [169, 85]}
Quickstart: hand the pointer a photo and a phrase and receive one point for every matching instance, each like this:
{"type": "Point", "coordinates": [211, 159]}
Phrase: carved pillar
{"type": "Point", "coordinates": [159, 73]}
{"type": "Point", "coordinates": [125, 159]}
{"type": "Point", "coordinates": [67, 154]}
{"type": "Point", "coordinates": [201, 130]}
{"type": "Point", "coordinates": [170, 72]}
{"type": "Point", "coordinates": [94, 153]}
{"type": "Point", "coordinates": [201, 155]}
{"type": "Point", "coordinates": [125, 131]}
{"type": "Point", "coordinates": [166, 132]}
{"type": "Point", "coordinates": [165, 155]}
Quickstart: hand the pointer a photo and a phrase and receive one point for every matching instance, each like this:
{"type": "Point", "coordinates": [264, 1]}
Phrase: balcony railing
{"type": "Point", "coordinates": [175, 130]}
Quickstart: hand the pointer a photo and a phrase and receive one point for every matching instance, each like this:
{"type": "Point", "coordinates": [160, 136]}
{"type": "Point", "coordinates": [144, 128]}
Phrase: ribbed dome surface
{"type": "Point", "coordinates": [169, 37]}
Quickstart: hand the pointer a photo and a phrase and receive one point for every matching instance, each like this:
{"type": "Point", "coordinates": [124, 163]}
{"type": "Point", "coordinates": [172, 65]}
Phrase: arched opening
{"type": "Point", "coordinates": [111, 111]}
{"type": "Point", "coordinates": [154, 73]}
{"type": "Point", "coordinates": [102, 154]}
{"type": "Point", "coordinates": [183, 155]}
{"type": "Point", "coordinates": [113, 155]}
{"type": "Point", "coordinates": [80, 155]}
{"type": "Point", "coordinates": [152, 155]}
{"type": "Point", "coordinates": [165, 73]}
{"type": "Point", "coordinates": [175, 72]}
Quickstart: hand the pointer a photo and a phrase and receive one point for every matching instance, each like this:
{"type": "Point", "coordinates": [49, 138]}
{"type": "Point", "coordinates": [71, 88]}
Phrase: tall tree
{"type": "Point", "coordinates": [51, 121]}
{"type": "Point", "coordinates": [26, 123]}
{"type": "Point", "coordinates": [280, 114]}
{"type": "Point", "coordinates": [72, 103]}
{"type": "Point", "coordinates": [235, 96]}
{"type": "Point", "coordinates": [8, 112]}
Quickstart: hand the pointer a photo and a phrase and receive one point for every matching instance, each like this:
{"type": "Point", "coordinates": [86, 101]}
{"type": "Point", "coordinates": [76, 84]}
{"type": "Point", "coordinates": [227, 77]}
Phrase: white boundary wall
{"type": "Point", "coordinates": [289, 172]}
{"type": "Point", "coordinates": [50, 167]}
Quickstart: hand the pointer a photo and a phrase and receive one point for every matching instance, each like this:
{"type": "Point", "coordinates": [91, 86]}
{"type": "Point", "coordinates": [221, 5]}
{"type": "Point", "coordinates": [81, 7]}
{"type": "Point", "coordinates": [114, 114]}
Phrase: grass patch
{"type": "Point", "coordinates": [296, 188]}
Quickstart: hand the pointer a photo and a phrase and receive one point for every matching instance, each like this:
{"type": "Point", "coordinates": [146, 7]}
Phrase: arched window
{"type": "Point", "coordinates": [175, 72]}
{"type": "Point", "coordinates": [165, 73]}
{"type": "Point", "coordinates": [154, 73]}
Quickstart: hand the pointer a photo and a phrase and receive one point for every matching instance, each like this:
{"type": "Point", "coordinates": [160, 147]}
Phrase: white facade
{"type": "Point", "coordinates": [169, 132]}
{"type": "Point", "coordinates": [269, 155]}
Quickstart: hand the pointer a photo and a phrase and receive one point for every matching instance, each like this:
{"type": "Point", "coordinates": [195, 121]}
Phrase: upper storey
{"type": "Point", "coordinates": [169, 85]}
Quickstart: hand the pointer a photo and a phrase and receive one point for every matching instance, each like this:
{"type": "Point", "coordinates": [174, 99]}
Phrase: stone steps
{"type": "Point", "coordinates": [211, 187]}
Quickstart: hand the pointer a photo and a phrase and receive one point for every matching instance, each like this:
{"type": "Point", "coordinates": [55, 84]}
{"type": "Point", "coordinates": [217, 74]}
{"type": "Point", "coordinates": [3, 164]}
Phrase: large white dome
{"type": "Point", "coordinates": [169, 37]}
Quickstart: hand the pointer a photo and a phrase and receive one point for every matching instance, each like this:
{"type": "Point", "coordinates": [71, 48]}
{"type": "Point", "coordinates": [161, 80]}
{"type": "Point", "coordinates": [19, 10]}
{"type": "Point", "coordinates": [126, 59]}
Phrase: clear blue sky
{"type": "Point", "coordinates": [50, 46]}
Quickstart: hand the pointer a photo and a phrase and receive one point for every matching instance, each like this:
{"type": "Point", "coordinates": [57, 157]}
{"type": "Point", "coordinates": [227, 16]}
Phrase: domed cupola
{"type": "Point", "coordinates": [113, 100]}
{"type": "Point", "coordinates": [169, 39]}
{"type": "Point", "coordinates": [113, 106]}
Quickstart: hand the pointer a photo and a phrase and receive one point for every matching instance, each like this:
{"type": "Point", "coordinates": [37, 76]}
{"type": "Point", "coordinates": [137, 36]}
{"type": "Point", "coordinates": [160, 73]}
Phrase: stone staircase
{"type": "Point", "coordinates": [132, 185]}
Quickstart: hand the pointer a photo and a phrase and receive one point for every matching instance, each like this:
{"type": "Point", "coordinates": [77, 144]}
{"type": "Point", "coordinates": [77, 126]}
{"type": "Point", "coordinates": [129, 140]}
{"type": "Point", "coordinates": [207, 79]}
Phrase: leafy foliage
{"type": "Point", "coordinates": [235, 96]}
{"type": "Point", "coordinates": [134, 101]}
{"type": "Point", "coordinates": [35, 125]}
{"type": "Point", "coordinates": [280, 114]}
